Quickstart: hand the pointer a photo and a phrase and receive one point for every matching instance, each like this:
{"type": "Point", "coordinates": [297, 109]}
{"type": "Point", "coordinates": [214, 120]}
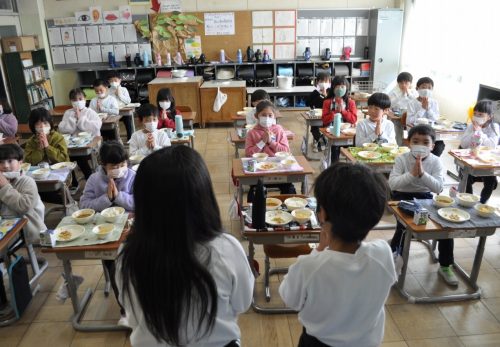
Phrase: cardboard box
{"type": "Point", "coordinates": [18, 44]}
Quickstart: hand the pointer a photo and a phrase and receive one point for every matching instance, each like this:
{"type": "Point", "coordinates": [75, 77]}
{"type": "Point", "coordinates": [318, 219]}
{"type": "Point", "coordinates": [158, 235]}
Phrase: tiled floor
{"type": "Point", "coordinates": [471, 323]}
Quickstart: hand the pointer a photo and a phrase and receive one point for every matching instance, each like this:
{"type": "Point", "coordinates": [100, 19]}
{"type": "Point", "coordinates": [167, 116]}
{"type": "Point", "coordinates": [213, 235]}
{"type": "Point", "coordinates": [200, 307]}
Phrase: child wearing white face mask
{"type": "Point", "coordinates": [167, 111]}
{"type": "Point", "coordinates": [315, 101]}
{"type": "Point", "coordinates": [149, 139]}
{"type": "Point", "coordinates": [103, 102]}
{"type": "Point", "coordinates": [482, 132]}
{"type": "Point", "coordinates": [122, 96]}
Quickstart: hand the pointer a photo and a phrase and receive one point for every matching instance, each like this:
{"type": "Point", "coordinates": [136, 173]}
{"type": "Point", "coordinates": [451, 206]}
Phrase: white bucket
{"type": "Point", "coordinates": [285, 82]}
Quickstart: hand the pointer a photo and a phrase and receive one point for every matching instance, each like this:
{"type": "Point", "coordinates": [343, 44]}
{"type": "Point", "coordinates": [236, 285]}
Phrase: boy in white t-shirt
{"type": "Point", "coordinates": [148, 139]}
{"type": "Point", "coordinates": [376, 128]}
{"type": "Point", "coordinates": [341, 287]}
{"type": "Point", "coordinates": [401, 97]}
{"type": "Point", "coordinates": [121, 95]}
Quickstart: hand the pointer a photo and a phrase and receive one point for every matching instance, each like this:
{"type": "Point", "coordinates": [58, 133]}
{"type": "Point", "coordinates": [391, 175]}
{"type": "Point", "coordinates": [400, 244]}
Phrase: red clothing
{"type": "Point", "coordinates": [254, 137]}
{"type": "Point", "coordinates": [167, 122]}
{"type": "Point", "coordinates": [350, 114]}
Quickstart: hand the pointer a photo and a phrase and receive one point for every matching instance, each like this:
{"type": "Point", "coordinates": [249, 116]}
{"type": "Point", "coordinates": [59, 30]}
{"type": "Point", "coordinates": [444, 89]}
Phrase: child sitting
{"type": "Point", "coordinates": [401, 96]}
{"type": "Point", "coordinates": [149, 139]}
{"type": "Point", "coordinates": [267, 137]}
{"type": "Point", "coordinates": [415, 175]}
{"type": "Point", "coordinates": [376, 128]}
{"type": "Point", "coordinates": [482, 132]}
{"type": "Point", "coordinates": [18, 198]}
{"type": "Point", "coordinates": [256, 97]}
{"type": "Point", "coordinates": [343, 266]}
{"type": "Point", "coordinates": [315, 101]}
{"type": "Point", "coordinates": [425, 107]}
{"type": "Point", "coordinates": [122, 96]}
{"type": "Point", "coordinates": [166, 104]}
{"type": "Point", "coordinates": [8, 122]}
{"type": "Point", "coordinates": [103, 102]}
{"type": "Point", "coordinates": [46, 144]}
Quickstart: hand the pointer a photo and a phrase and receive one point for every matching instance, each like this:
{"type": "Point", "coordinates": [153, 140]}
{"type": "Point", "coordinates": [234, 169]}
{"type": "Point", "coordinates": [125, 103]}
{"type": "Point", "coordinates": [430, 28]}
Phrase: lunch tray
{"type": "Point", "coordinates": [312, 224]}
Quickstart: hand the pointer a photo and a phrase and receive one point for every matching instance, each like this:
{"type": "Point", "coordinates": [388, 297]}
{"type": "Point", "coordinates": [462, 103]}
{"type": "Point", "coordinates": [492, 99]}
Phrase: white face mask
{"type": "Point", "coordinates": [115, 84]}
{"type": "Point", "coordinates": [324, 85]}
{"type": "Point", "coordinates": [425, 93]}
{"type": "Point", "coordinates": [10, 175]}
{"type": "Point", "coordinates": [117, 173]}
{"type": "Point", "coordinates": [479, 120]}
{"type": "Point", "coordinates": [151, 127]}
{"type": "Point", "coordinates": [101, 95]}
{"type": "Point", "coordinates": [420, 151]}
{"type": "Point", "coordinates": [44, 129]}
{"type": "Point", "coordinates": [79, 105]}
{"type": "Point", "coordinates": [266, 122]}
{"type": "Point", "coordinates": [165, 104]}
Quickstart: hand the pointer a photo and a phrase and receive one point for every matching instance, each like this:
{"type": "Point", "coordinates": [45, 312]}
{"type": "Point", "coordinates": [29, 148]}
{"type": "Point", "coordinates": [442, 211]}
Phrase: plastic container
{"type": "Point", "coordinates": [285, 82]}
{"type": "Point", "coordinates": [337, 120]}
{"type": "Point", "coordinates": [179, 127]}
{"type": "Point", "coordinates": [239, 56]}
{"type": "Point", "coordinates": [222, 57]}
{"type": "Point", "coordinates": [169, 59]}
{"type": "Point", "coordinates": [259, 207]}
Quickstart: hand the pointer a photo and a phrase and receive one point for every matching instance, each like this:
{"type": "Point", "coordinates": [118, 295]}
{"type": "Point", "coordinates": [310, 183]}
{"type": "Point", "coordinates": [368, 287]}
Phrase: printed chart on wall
{"type": "Point", "coordinates": [89, 36]}
{"type": "Point", "coordinates": [274, 32]}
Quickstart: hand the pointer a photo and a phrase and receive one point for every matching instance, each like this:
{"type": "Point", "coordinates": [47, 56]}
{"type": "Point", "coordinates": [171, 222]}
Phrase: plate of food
{"type": "Point", "coordinates": [349, 131]}
{"type": "Point", "coordinates": [68, 232]}
{"type": "Point", "coordinates": [454, 215]}
{"type": "Point", "coordinates": [369, 155]}
{"type": "Point", "coordinates": [266, 166]}
{"type": "Point", "coordinates": [278, 217]}
{"type": "Point", "coordinates": [63, 165]}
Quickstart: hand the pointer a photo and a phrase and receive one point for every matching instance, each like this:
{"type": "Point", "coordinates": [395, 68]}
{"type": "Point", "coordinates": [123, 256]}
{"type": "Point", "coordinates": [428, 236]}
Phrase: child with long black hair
{"type": "Point", "coordinates": [166, 109]}
{"type": "Point", "coordinates": [183, 280]}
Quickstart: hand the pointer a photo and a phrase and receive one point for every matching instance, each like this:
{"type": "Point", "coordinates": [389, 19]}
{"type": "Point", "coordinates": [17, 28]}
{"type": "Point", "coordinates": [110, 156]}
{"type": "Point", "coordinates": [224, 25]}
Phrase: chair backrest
{"type": "Point", "coordinates": [59, 109]}
{"type": "Point", "coordinates": [184, 108]}
{"type": "Point", "coordinates": [164, 73]}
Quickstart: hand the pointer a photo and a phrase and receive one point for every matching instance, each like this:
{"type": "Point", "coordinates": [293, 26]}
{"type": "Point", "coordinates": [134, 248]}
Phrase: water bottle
{"type": "Point", "coordinates": [307, 54]}
{"type": "Point", "coordinates": [336, 124]}
{"type": "Point", "coordinates": [250, 54]}
{"type": "Point", "coordinates": [265, 57]}
{"type": "Point", "coordinates": [145, 59]}
{"type": "Point", "coordinates": [158, 59]}
{"type": "Point", "coordinates": [222, 56]}
{"type": "Point", "coordinates": [169, 59]}
{"type": "Point", "coordinates": [239, 56]}
{"type": "Point", "coordinates": [179, 126]}
{"type": "Point", "coordinates": [111, 57]}
{"type": "Point", "coordinates": [259, 207]}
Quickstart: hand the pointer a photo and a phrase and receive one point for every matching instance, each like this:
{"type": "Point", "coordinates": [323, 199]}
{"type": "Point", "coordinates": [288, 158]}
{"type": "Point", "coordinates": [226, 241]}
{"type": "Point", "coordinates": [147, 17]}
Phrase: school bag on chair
{"type": "Point", "coordinates": [19, 286]}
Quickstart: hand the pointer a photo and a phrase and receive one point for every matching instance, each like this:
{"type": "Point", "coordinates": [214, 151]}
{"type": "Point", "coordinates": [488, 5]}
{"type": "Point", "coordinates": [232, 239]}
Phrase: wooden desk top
{"type": "Point", "coordinates": [430, 226]}
{"type": "Point", "coordinates": [329, 135]}
{"type": "Point", "coordinates": [301, 160]}
{"type": "Point", "coordinates": [442, 131]}
{"type": "Point", "coordinates": [236, 139]}
{"type": "Point", "coordinates": [110, 246]}
{"type": "Point", "coordinates": [112, 119]}
{"type": "Point", "coordinates": [5, 241]}
{"type": "Point", "coordinates": [96, 141]}
{"type": "Point", "coordinates": [188, 115]}
{"type": "Point", "coordinates": [307, 116]}
{"type": "Point", "coordinates": [238, 117]}
{"type": "Point", "coordinates": [474, 166]}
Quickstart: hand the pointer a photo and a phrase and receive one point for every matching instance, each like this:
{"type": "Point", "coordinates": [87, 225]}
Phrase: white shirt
{"type": "Point", "coordinates": [402, 180]}
{"type": "Point", "coordinates": [400, 100]}
{"type": "Point", "coordinates": [487, 136]}
{"type": "Point", "coordinates": [123, 96]}
{"type": "Point", "coordinates": [234, 279]}
{"type": "Point", "coordinates": [416, 111]}
{"type": "Point", "coordinates": [108, 105]}
{"type": "Point", "coordinates": [340, 296]}
{"type": "Point", "coordinates": [365, 131]}
{"type": "Point", "coordinates": [88, 121]}
{"type": "Point", "coordinates": [139, 138]}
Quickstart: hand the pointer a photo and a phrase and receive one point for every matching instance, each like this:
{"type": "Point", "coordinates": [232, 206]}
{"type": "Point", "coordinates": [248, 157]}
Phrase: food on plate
{"type": "Point", "coordinates": [454, 216]}
{"type": "Point", "coordinates": [267, 166]}
{"type": "Point", "coordinates": [369, 155]}
{"type": "Point", "coordinates": [278, 220]}
{"type": "Point", "coordinates": [444, 199]}
{"type": "Point", "coordinates": [272, 203]}
{"type": "Point", "coordinates": [64, 235]}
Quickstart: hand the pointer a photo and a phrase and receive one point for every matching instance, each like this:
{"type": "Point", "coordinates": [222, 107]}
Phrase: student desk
{"type": "Point", "coordinates": [111, 123]}
{"type": "Point", "coordinates": [470, 169]}
{"type": "Point", "coordinates": [239, 142]}
{"type": "Point", "coordinates": [384, 168]}
{"type": "Point", "coordinates": [86, 150]}
{"type": "Point", "coordinates": [188, 118]}
{"type": "Point", "coordinates": [128, 111]}
{"type": "Point", "coordinates": [342, 140]}
{"type": "Point", "coordinates": [433, 231]}
{"type": "Point", "coordinates": [106, 251]}
{"type": "Point", "coordinates": [55, 183]}
{"type": "Point", "coordinates": [311, 121]}
{"type": "Point", "coordinates": [444, 133]}
{"type": "Point", "coordinates": [183, 141]}
{"type": "Point", "coordinates": [241, 121]}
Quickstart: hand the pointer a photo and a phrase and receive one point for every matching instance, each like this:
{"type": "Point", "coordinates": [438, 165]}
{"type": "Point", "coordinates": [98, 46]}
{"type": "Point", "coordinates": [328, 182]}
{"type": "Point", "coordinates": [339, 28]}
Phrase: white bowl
{"type": "Point", "coordinates": [260, 157]}
{"type": "Point", "coordinates": [422, 121]}
{"type": "Point", "coordinates": [288, 163]}
{"type": "Point", "coordinates": [467, 200]}
{"type": "Point", "coordinates": [103, 231]}
{"type": "Point", "coordinates": [273, 204]}
{"type": "Point", "coordinates": [443, 201]}
{"type": "Point", "coordinates": [283, 155]}
{"type": "Point", "coordinates": [302, 215]}
{"type": "Point", "coordinates": [484, 210]}
{"type": "Point", "coordinates": [41, 174]}
{"type": "Point", "coordinates": [85, 135]}
{"type": "Point", "coordinates": [83, 216]}
{"type": "Point", "coordinates": [111, 214]}
{"type": "Point", "coordinates": [295, 203]}
{"type": "Point", "coordinates": [387, 147]}
{"type": "Point", "coordinates": [178, 73]}
{"type": "Point", "coordinates": [369, 146]}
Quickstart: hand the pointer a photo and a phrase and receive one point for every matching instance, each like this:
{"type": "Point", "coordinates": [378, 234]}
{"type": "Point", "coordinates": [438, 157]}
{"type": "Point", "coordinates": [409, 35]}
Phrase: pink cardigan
{"type": "Point", "coordinates": [254, 137]}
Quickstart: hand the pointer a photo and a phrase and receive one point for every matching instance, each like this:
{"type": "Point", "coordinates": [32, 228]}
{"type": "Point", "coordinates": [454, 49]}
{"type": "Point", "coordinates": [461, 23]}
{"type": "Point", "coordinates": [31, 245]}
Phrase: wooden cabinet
{"type": "Point", "coordinates": [186, 92]}
{"type": "Point", "coordinates": [236, 96]}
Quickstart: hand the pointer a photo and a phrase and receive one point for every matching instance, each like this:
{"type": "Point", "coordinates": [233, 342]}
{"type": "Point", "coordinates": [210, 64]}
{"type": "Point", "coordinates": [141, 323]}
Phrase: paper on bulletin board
{"type": "Point", "coordinates": [326, 26]}
{"type": "Point", "coordinates": [105, 49]}
{"type": "Point", "coordinates": [269, 49]}
{"type": "Point", "coordinates": [95, 14]}
{"type": "Point", "coordinates": [65, 21]}
{"type": "Point", "coordinates": [67, 36]}
{"type": "Point", "coordinates": [338, 27]}
{"type": "Point", "coordinates": [284, 35]}
{"type": "Point", "coordinates": [92, 34]}
{"type": "Point", "coordinates": [55, 36]}
{"type": "Point", "coordinates": [262, 18]}
{"type": "Point", "coordinates": [80, 35]}
{"type": "Point", "coordinates": [350, 26]}
{"type": "Point", "coordinates": [119, 52]}
{"type": "Point", "coordinates": [350, 42]}
{"type": "Point", "coordinates": [125, 14]}
{"type": "Point", "coordinates": [170, 6]}
{"type": "Point", "coordinates": [82, 17]}
{"type": "Point", "coordinates": [105, 34]}
{"type": "Point", "coordinates": [314, 45]}
{"type": "Point", "coordinates": [361, 27]}
{"type": "Point", "coordinates": [324, 43]}
{"type": "Point", "coordinates": [301, 46]}
{"type": "Point", "coordinates": [193, 46]}
{"type": "Point", "coordinates": [70, 55]}
{"type": "Point", "coordinates": [337, 45]}
{"type": "Point", "coordinates": [117, 33]}
{"type": "Point", "coordinates": [132, 49]}
{"type": "Point", "coordinates": [58, 55]}
{"type": "Point", "coordinates": [257, 35]}
{"type": "Point", "coordinates": [221, 23]}
{"type": "Point", "coordinates": [302, 27]}
{"type": "Point", "coordinates": [314, 27]}
{"type": "Point", "coordinates": [284, 52]}
{"type": "Point", "coordinates": [268, 35]}
{"type": "Point", "coordinates": [145, 47]}
{"type": "Point", "coordinates": [95, 54]}
{"type": "Point", "coordinates": [284, 18]}
{"type": "Point", "coordinates": [130, 33]}
{"type": "Point", "coordinates": [82, 53]}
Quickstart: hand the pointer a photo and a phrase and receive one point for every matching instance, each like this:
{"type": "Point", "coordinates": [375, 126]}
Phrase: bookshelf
{"type": "Point", "coordinates": [28, 82]}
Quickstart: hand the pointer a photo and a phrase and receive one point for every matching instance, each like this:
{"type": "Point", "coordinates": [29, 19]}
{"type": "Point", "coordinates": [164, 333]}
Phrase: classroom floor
{"type": "Point", "coordinates": [470, 323]}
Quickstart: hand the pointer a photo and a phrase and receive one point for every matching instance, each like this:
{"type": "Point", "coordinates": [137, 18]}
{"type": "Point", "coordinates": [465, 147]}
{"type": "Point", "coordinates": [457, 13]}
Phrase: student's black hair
{"type": "Point", "coordinates": [258, 95]}
{"type": "Point", "coordinates": [340, 80]}
{"type": "Point", "coordinates": [39, 114]}
{"type": "Point", "coordinates": [322, 76]}
{"type": "Point", "coordinates": [484, 106]}
{"type": "Point", "coordinates": [114, 74]}
{"type": "Point", "coordinates": [380, 100]}
{"type": "Point", "coordinates": [100, 82]}
{"type": "Point", "coordinates": [265, 104]}
{"type": "Point", "coordinates": [425, 80]}
{"type": "Point", "coordinates": [160, 259]}
{"type": "Point", "coordinates": [146, 110]}
{"type": "Point", "coordinates": [405, 77]}
{"type": "Point", "coordinates": [11, 151]}
{"type": "Point", "coordinates": [73, 93]}
{"type": "Point", "coordinates": [165, 94]}
{"type": "Point", "coordinates": [6, 106]}
{"type": "Point", "coordinates": [112, 152]}
{"type": "Point", "coordinates": [353, 197]}
{"type": "Point", "coordinates": [422, 129]}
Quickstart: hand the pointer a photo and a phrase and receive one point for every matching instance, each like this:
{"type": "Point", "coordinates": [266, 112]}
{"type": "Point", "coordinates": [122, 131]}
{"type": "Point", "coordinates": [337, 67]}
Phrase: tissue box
{"type": "Point", "coordinates": [421, 217]}
{"type": "Point", "coordinates": [47, 238]}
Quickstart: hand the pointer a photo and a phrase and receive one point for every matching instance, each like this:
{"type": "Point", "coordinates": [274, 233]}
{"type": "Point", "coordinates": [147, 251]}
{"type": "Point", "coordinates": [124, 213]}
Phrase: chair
{"type": "Point", "coordinates": [184, 108]}
{"type": "Point", "coordinates": [60, 109]}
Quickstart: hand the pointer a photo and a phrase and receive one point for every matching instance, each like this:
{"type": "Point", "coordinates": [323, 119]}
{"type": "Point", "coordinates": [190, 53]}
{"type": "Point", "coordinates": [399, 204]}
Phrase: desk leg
{"type": "Point", "coordinates": [406, 255]}
{"type": "Point", "coordinates": [236, 153]}
{"type": "Point", "coordinates": [304, 186]}
{"type": "Point", "coordinates": [477, 260]}
{"type": "Point", "coordinates": [37, 270]}
{"type": "Point", "coordinates": [306, 139]}
{"type": "Point", "coordinates": [463, 182]}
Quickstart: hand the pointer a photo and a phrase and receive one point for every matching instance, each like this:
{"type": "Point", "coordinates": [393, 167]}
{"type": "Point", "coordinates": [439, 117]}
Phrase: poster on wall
{"type": "Point", "coordinates": [95, 14]}
{"type": "Point", "coordinates": [219, 23]}
{"type": "Point", "coordinates": [125, 14]}
{"type": "Point", "coordinates": [193, 46]}
{"type": "Point", "coordinates": [111, 16]}
{"type": "Point", "coordinates": [82, 17]}
{"type": "Point", "coordinates": [170, 6]}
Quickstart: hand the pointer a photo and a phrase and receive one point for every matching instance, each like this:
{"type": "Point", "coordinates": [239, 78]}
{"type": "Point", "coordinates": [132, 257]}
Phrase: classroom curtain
{"type": "Point", "coordinates": [456, 44]}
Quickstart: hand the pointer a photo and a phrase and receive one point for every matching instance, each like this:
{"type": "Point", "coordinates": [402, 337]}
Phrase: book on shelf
{"type": "Point", "coordinates": [37, 93]}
